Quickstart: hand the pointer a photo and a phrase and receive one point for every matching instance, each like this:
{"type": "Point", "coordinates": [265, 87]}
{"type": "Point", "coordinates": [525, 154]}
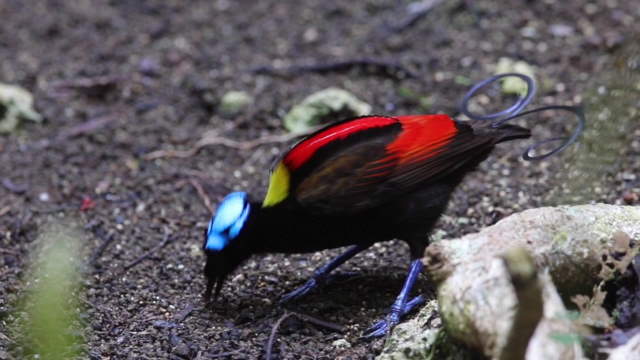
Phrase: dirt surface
{"type": "Point", "coordinates": [117, 80]}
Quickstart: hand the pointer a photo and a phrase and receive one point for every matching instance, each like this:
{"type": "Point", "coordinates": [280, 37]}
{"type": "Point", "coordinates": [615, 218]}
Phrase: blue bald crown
{"type": "Point", "coordinates": [228, 221]}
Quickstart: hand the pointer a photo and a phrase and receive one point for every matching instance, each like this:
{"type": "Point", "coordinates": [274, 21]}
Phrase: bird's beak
{"type": "Point", "coordinates": [214, 271]}
{"type": "Point", "coordinates": [212, 282]}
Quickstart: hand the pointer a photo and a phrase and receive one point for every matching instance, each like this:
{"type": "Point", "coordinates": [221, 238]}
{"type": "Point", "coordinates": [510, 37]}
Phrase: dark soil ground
{"type": "Point", "coordinates": [116, 80]}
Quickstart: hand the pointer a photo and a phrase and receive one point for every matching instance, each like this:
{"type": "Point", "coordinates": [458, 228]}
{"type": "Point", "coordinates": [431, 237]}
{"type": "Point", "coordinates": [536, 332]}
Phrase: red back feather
{"type": "Point", "coordinates": [308, 147]}
{"type": "Point", "coordinates": [421, 137]}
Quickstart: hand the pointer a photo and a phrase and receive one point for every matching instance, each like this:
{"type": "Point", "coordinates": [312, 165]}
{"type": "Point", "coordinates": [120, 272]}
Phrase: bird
{"type": "Point", "coordinates": [352, 184]}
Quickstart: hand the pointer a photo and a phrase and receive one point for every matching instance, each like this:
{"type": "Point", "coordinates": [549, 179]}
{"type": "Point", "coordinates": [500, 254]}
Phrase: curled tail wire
{"type": "Point", "coordinates": [515, 111]}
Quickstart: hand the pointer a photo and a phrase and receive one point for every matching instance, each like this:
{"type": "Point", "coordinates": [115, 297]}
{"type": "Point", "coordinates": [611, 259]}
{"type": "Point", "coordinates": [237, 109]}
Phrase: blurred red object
{"type": "Point", "coordinates": [87, 203]}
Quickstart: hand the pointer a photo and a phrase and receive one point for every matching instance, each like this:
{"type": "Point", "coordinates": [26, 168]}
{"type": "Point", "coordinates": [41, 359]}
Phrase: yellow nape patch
{"type": "Point", "coordinates": [278, 186]}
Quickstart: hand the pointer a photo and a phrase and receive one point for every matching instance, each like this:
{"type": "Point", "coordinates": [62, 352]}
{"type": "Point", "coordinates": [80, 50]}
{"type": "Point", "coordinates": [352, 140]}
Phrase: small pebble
{"type": "Point", "coordinates": [341, 344]}
{"type": "Point", "coordinates": [561, 30]}
{"type": "Point", "coordinates": [630, 197]}
{"type": "Point", "coordinates": [44, 197]}
{"type": "Point", "coordinates": [182, 350]}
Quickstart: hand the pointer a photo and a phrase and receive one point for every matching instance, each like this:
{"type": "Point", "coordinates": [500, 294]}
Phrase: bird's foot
{"type": "Point", "coordinates": [384, 327]}
{"type": "Point", "coordinates": [300, 292]}
{"type": "Point", "coordinates": [312, 284]}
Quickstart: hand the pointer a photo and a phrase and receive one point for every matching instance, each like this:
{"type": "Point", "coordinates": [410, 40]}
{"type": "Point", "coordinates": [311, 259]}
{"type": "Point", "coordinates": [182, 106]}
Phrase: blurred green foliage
{"type": "Point", "coordinates": [47, 325]}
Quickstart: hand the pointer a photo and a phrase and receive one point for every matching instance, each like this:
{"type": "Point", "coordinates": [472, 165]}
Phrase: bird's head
{"type": "Point", "coordinates": [223, 240]}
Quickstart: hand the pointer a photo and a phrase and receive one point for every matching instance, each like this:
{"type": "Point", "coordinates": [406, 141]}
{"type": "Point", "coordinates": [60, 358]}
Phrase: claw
{"type": "Point", "coordinates": [383, 327]}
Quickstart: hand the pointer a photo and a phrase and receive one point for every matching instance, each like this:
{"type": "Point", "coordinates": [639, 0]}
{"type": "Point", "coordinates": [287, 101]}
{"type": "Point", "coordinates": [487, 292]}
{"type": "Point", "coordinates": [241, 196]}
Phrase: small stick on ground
{"type": "Point", "coordinates": [214, 139]}
{"type": "Point", "coordinates": [107, 239]}
{"type": "Point", "coordinates": [203, 195]}
{"type": "Point", "coordinates": [414, 12]}
{"type": "Point", "coordinates": [184, 313]}
{"type": "Point", "coordinates": [13, 187]}
{"type": "Point", "coordinates": [303, 317]}
{"type": "Point", "coordinates": [274, 331]}
{"type": "Point", "coordinates": [93, 86]}
{"type": "Point", "coordinates": [219, 355]}
{"type": "Point", "coordinates": [165, 241]}
{"type": "Point", "coordinates": [5, 210]}
{"type": "Point", "coordinates": [88, 126]}
{"type": "Point", "coordinates": [368, 66]}
{"type": "Point", "coordinates": [92, 125]}
{"type": "Point", "coordinates": [318, 322]}
{"type": "Point", "coordinates": [9, 251]}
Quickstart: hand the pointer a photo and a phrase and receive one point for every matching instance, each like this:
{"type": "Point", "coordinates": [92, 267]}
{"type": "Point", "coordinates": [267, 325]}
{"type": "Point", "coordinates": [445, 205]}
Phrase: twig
{"type": "Point", "coordinates": [13, 187]}
{"type": "Point", "coordinates": [184, 313]}
{"type": "Point", "coordinates": [165, 241]}
{"type": "Point", "coordinates": [415, 12]}
{"type": "Point", "coordinates": [86, 127]}
{"type": "Point", "coordinates": [214, 139]}
{"type": "Point", "coordinates": [219, 355]}
{"type": "Point", "coordinates": [9, 251]}
{"type": "Point", "coordinates": [93, 86]}
{"type": "Point", "coordinates": [5, 210]}
{"type": "Point", "coordinates": [368, 66]}
{"type": "Point", "coordinates": [106, 240]}
{"type": "Point", "coordinates": [274, 330]}
{"type": "Point", "coordinates": [303, 317]}
{"type": "Point", "coordinates": [195, 173]}
{"type": "Point", "coordinates": [54, 209]}
{"type": "Point", "coordinates": [203, 195]}
{"type": "Point", "coordinates": [322, 323]}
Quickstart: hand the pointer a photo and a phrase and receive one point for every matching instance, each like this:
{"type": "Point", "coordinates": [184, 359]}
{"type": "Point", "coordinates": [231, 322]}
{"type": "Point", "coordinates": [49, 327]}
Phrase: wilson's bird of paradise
{"type": "Point", "coordinates": [358, 182]}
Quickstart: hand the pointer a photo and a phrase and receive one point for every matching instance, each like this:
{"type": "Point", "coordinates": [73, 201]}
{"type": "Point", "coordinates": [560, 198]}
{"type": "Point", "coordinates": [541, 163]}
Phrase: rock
{"type": "Point", "coordinates": [183, 350]}
{"type": "Point", "coordinates": [341, 344]}
{"type": "Point", "coordinates": [478, 305]}
{"type": "Point", "coordinates": [324, 106]}
{"type": "Point", "coordinates": [410, 339]}
{"type": "Point", "coordinates": [561, 30]}
{"type": "Point", "coordinates": [485, 300]}
{"type": "Point", "coordinates": [513, 85]}
{"type": "Point", "coordinates": [422, 338]}
{"type": "Point", "coordinates": [234, 102]}
{"type": "Point", "coordinates": [568, 240]}
{"type": "Point", "coordinates": [16, 104]}
{"type": "Point", "coordinates": [630, 197]}
{"type": "Point", "coordinates": [628, 351]}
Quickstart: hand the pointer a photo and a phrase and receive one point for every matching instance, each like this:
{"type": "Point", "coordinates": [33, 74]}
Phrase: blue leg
{"type": "Point", "coordinates": [401, 306]}
{"type": "Point", "coordinates": [321, 275]}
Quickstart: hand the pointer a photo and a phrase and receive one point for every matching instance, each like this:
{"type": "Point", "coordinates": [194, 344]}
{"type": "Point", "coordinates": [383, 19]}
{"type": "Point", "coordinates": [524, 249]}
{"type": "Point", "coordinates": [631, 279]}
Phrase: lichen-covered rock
{"type": "Point", "coordinates": [324, 105]}
{"type": "Point", "coordinates": [514, 85]}
{"type": "Point", "coordinates": [477, 299]}
{"type": "Point", "coordinates": [478, 304]}
{"type": "Point", "coordinates": [233, 102]}
{"type": "Point", "coordinates": [568, 240]}
{"type": "Point", "coordinates": [16, 104]}
{"type": "Point", "coordinates": [423, 338]}
{"type": "Point", "coordinates": [411, 340]}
